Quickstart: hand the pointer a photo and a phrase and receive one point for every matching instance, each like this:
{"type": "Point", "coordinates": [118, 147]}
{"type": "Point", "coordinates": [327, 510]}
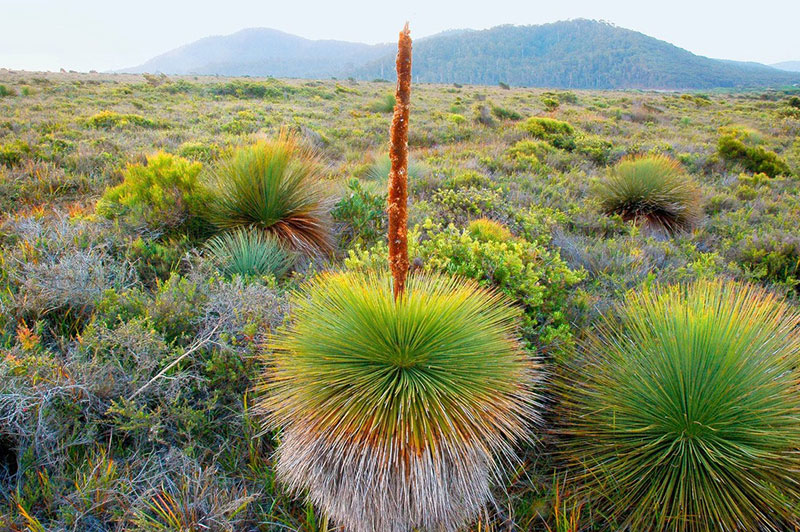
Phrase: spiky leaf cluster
{"type": "Point", "coordinates": [653, 189]}
{"type": "Point", "coordinates": [685, 414]}
{"type": "Point", "coordinates": [249, 252]}
{"type": "Point", "coordinates": [275, 186]}
{"type": "Point", "coordinates": [396, 413]}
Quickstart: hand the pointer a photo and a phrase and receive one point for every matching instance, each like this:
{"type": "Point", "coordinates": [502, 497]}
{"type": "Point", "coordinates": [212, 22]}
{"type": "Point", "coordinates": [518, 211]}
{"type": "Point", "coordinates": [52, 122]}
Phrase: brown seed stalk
{"type": "Point", "coordinates": [398, 175]}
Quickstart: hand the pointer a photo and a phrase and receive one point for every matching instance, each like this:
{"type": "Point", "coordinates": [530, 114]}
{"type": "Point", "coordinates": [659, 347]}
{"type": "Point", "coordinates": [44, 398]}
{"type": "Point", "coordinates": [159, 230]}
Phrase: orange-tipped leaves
{"type": "Point", "coordinates": [396, 412]}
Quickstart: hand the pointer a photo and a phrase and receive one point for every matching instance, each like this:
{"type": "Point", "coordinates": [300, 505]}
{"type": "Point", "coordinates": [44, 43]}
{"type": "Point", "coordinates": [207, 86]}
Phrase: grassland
{"type": "Point", "coordinates": [94, 435]}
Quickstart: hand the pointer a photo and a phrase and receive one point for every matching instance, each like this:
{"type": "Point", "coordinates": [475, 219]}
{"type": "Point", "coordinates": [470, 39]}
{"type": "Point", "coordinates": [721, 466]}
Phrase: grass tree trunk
{"type": "Point", "coordinates": [398, 175]}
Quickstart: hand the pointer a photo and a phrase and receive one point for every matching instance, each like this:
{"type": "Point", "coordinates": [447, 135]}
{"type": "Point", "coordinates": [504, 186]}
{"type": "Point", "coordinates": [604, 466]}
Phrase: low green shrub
{"type": "Point", "coordinates": [486, 230]}
{"type": "Point", "coordinates": [682, 413]}
{"type": "Point", "coordinates": [12, 153]}
{"type": "Point", "coordinates": [5, 91]}
{"type": "Point", "coordinates": [110, 120]}
{"type": "Point", "coordinates": [527, 272]}
{"type": "Point", "coordinates": [361, 215]}
{"type": "Point", "coordinates": [772, 259]}
{"type": "Point", "coordinates": [501, 113]}
{"type": "Point", "coordinates": [753, 158]}
{"type": "Point", "coordinates": [163, 194]}
{"type": "Point", "coordinates": [557, 133]}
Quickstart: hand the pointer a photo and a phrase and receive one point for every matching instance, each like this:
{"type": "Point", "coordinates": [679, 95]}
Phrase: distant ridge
{"type": "Point", "coordinates": [581, 54]}
{"type": "Point", "coordinates": [790, 66]}
{"type": "Point", "coordinates": [264, 52]}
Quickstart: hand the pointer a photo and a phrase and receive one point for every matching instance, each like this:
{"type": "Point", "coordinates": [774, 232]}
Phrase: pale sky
{"type": "Point", "coordinates": [111, 34]}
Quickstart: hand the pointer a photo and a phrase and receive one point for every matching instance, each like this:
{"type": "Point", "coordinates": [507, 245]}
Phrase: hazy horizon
{"type": "Point", "coordinates": [95, 35]}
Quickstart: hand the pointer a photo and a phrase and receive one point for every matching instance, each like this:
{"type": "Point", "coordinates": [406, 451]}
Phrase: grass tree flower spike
{"type": "Point", "coordinates": [398, 176]}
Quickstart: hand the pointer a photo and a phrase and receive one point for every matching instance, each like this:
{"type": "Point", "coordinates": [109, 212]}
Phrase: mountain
{"type": "Point", "coordinates": [575, 54]}
{"type": "Point", "coordinates": [568, 54]}
{"type": "Point", "coordinates": [264, 52]}
{"type": "Point", "coordinates": [790, 66]}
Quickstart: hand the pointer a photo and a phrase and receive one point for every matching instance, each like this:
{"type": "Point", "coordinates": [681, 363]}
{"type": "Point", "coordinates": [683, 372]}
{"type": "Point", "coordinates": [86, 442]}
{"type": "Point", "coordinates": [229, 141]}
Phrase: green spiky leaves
{"type": "Point", "coordinates": [274, 186]}
{"type": "Point", "coordinates": [395, 413]}
{"type": "Point", "coordinates": [686, 414]}
{"type": "Point", "coordinates": [652, 189]}
{"type": "Point", "coordinates": [249, 252]}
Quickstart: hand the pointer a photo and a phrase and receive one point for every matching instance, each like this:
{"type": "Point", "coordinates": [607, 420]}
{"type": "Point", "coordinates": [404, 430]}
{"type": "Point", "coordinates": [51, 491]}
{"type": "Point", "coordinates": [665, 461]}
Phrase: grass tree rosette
{"type": "Point", "coordinates": [686, 412]}
{"type": "Point", "coordinates": [397, 413]}
{"type": "Point", "coordinates": [653, 189]}
{"type": "Point", "coordinates": [275, 186]}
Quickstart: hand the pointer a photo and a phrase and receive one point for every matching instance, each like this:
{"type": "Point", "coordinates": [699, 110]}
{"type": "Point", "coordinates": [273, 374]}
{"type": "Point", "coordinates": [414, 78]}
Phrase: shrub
{"type": "Point", "coordinates": [684, 413]}
{"type": "Point", "coordinates": [7, 91]}
{"type": "Point", "coordinates": [409, 404]}
{"type": "Point", "coordinates": [557, 133]}
{"type": "Point", "coordinates": [164, 193]}
{"type": "Point", "coordinates": [110, 120]}
{"type": "Point", "coordinates": [753, 158]}
{"type": "Point", "coordinates": [502, 113]}
{"type": "Point", "coordinates": [485, 230]}
{"type": "Point", "coordinates": [653, 189]}
{"type": "Point", "coordinates": [774, 259]}
{"type": "Point", "coordinates": [385, 105]}
{"type": "Point", "coordinates": [198, 151]}
{"type": "Point", "coordinates": [525, 271]}
{"type": "Point", "coordinates": [362, 215]}
{"type": "Point", "coordinates": [249, 253]}
{"type": "Point", "coordinates": [275, 186]}
{"type": "Point", "coordinates": [12, 153]}
{"type": "Point", "coordinates": [482, 114]}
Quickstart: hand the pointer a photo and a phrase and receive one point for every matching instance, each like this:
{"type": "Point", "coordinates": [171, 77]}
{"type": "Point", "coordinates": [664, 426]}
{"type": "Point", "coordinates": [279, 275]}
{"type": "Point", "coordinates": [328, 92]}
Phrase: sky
{"type": "Point", "coordinates": [104, 35]}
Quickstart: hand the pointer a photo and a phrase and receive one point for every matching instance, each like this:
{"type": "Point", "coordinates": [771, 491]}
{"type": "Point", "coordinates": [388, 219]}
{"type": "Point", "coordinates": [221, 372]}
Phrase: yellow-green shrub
{"type": "Point", "coordinates": [164, 193]}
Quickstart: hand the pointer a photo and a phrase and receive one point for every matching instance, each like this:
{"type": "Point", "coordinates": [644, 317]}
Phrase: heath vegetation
{"type": "Point", "coordinates": [201, 326]}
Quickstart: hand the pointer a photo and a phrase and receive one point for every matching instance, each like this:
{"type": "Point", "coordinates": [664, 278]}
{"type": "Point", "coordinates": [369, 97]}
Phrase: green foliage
{"type": "Point", "coordinates": [651, 188]}
{"type": "Point", "coordinates": [773, 259]}
{"type": "Point", "coordinates": [199, 151]}
{"type": "Point", "coordinates": [557, 133]}
{"type": "Point", "coordinates": [683, 415]}
{"type": "Point", "coordinates": [164, 193]}
{"type": "Point", "coordinates": [485, 230]}
{"type": "Point", "coordinates": [385, 105]}
{"type": "Point", "coordinates": [274, 186]}
{"type": "Point", "coordinates": [527, 272]}
{"type": "Point", "coordinates": [753, 158]}
{"type": "Point", "coordinates": [501, 113]}
{"type": "Point", "coordinates": [360, 374]}
{"type": "Point", "coordinates": [249, 253]}
{"type": "Point", "coordinates": [110, 120]}
{"type": "Point", "coordinates": [362, 215]}
{"type": "Point", "coordinates": [13, 152]}
{"type": "Point", "coordinates": [249, 89]}
{"type": "Point", "coordinates": [6, 91]}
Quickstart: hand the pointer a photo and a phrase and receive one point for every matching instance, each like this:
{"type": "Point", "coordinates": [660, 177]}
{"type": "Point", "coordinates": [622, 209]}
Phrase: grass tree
{"type": "Point", "coordinates": [684, 413]}
{"type": "Point", "coordinates": [398, 398]}
{"type": "Point", "coordinates": [274, 186]}
{"type": "Point", "coordinates": [653, 189]}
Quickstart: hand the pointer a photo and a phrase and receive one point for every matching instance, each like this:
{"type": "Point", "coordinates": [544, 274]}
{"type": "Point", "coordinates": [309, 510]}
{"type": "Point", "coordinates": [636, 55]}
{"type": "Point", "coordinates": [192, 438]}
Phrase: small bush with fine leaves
{"type": "Point", "coordinates": [683, 413]}
{"type": "Point", "coordinates": [652, 189]}
{"type": "Point", "coordinates": [162, 194]}
{"type": "Point", "coordinates": [397, 413]}
{"type": "Point", "coordinates": [249, 252]}
{"type": "Point", "coordinates": [274, 186]}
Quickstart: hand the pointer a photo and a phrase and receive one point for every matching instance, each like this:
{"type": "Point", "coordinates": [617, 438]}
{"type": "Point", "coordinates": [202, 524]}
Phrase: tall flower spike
{"type": "Point", "coordinates": [397, 208]}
